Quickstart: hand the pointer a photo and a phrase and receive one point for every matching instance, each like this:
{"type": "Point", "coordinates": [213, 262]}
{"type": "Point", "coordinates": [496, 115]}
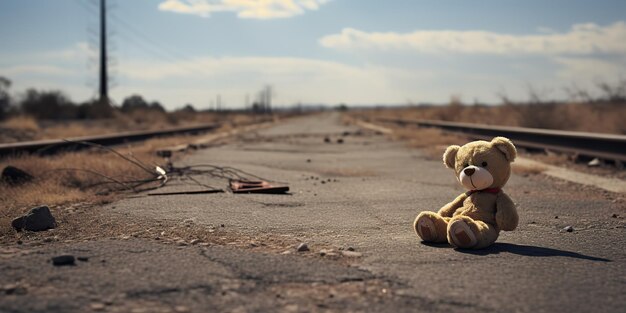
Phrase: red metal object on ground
{"type": "Point", "coordinates": [247, 186]}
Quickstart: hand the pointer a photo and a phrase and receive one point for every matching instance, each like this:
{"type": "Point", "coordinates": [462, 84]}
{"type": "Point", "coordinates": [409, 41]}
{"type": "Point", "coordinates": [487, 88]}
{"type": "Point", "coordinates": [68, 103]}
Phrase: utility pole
{"type": "Point", "coordinates": [104, 80]}
{"type": "Point", "coordinates": [268, 99]}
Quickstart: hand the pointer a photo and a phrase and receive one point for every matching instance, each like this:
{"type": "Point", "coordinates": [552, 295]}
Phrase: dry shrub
{"type": "Point", "coordinates": [21, 123]}
{"type": "Point", "coordinates": [527, 169]}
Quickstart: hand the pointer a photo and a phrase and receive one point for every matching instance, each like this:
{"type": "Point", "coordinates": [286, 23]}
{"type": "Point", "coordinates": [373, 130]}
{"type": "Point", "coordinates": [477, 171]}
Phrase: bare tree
{"type": "Point", "coordinates": [613, 93]}
{"type": "Point", "coordinates": [5, 98]}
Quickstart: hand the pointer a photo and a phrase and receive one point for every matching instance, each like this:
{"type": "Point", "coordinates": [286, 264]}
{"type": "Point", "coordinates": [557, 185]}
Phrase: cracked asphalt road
{"type": "Point", "coordinates": [373, 189]}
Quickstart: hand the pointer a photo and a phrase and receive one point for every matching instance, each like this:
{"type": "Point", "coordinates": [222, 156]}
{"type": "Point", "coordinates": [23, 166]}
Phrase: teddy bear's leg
{"type": "Point", "coordinates": [431, 227]}
{"type": "Point", "coordinates": [464, 232]}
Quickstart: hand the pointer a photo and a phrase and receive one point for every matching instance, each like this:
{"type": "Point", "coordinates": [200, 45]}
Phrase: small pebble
{"type": "Point", "coordinates": [340, 140]}
{"type": "Point", "coordinates": [222, 225]}
{"type": "Point", "coordinates": [97, 306]}
{"type": "Point", "coordinates": [351, 254]}
{"type": "Point", "coordinates": [556, 217]}
{"type": "Point", "coordinates": [324, 252]}
{"type": "Point", "coordinates": [350, 249]}
{"type": "Point", "coordinates": [181, 242]}
{"type": "Point", "coordinates": [326, 139]}
{"type": "Point", "coordinates": [14, 289]}
{"type": "Point", "coordinates": [568, 229]}
{"type": "Point", "coordinates": [323, 182]}
{"type": "Point", "coordinates": [614, 216]}
{"type": "Point", "coordinates": [65, 259]}
{"type": "Point", "coordinates": [194, 241]}
{"type": "Point", "coordinates": [308, 160]}
{"type": "Point", "coordinates": [83, 258]}
{"type": "Point", "coordinates": [302, 247]}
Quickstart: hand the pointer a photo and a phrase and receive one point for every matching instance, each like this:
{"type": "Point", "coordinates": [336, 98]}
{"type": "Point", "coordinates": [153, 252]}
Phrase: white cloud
{"type": "Point", "coordinates": [581, 39]}
{"type": "Point", "coordinates": [295, 79]}
{"type": "Point", "coordinates": [256, 9]}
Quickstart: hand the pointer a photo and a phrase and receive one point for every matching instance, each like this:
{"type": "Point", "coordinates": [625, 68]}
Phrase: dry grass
{"type": "Point", "coordinates": [25, 128]}
{"type": "Point", "coordinates": [431, 141]}
{"type": "Point", "coordinates": [21, 122]}
{"type": "Point", "coordinates": [588, 117]}
{"type": "Point", "coordinates": [61, 179]}
{"type": "Point", "coordinates": [527, 169]}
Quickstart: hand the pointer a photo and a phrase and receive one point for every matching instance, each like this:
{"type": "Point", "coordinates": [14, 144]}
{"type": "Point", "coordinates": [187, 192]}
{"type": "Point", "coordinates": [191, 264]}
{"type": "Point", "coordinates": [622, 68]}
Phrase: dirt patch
{"type": "Point", "coordinates": [89, 221]}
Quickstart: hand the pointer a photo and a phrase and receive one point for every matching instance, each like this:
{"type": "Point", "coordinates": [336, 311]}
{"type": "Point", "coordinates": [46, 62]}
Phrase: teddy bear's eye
{"type": "Point", "coordinates": [484, 164]}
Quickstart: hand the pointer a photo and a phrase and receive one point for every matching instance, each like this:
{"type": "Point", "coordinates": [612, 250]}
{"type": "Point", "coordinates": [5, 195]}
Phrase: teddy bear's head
{"type": "Point", "coordinates": [481, 164]}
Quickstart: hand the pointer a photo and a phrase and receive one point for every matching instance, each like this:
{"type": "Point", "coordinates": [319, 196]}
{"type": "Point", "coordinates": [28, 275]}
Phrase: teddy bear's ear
{"type": "Point", "coordinates": [450, 155]}
{"type": "Point", "coordinates": [506, 146]}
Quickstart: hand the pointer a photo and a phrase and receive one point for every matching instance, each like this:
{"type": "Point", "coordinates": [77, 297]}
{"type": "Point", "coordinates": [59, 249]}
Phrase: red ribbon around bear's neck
{"type": "Point", "coordinates": [488, 190]}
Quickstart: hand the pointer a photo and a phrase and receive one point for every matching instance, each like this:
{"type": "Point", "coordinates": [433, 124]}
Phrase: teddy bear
{"type": "Point", "coordinates": [475, 218]}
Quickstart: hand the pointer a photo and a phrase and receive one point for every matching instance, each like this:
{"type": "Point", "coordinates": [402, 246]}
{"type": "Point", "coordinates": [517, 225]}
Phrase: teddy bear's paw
{"type": "Point", "coordinates": [426, 229]}
{"type": "Point", "coordinates": [461, 235]}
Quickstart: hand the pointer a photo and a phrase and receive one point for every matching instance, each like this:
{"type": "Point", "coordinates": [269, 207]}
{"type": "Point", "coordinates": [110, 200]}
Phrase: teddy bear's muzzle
{"type": "Point", "coordinates": [475, 178]}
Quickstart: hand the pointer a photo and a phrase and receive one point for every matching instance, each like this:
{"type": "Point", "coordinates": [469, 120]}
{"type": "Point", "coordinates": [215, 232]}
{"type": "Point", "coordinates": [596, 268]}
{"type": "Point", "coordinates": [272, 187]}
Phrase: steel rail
{"type": "Point", "coordinates": [603, 146]}
{"type": "Point", "coordinates": [53, 146]}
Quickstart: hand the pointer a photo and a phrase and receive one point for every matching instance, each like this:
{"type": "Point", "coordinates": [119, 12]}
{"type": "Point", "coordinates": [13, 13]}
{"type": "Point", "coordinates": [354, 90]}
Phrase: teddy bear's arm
{"type": "Point", "coordinates": [506, 214]}
{"type": "Point", "coordinates": [449, 209]}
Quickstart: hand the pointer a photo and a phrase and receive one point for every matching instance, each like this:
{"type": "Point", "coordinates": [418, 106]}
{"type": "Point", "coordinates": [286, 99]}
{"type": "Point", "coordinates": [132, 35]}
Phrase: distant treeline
{"type": "Point", "coordinates": [55, 105]}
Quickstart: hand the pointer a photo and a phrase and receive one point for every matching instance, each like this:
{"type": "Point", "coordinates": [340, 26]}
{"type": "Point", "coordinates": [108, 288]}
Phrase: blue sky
{"type": "Point", "coordinates": [315, 51]}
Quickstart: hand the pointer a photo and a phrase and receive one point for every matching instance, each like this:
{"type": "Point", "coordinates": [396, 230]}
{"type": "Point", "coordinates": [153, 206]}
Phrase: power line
{"type": "Point", "coordinates": [156, 49]}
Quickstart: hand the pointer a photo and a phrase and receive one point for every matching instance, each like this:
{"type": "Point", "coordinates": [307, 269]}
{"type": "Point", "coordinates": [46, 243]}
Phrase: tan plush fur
{"type": "Point", "coordinates": [474, 220]}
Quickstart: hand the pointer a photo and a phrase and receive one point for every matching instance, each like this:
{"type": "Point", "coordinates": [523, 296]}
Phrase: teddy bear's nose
{"type": "Point", "coordinates": [469, 171]}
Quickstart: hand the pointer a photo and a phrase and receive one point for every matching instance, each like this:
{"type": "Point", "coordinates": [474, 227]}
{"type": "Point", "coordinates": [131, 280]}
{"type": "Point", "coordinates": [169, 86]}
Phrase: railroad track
{"type": "Point", "coordinates": [604, 146]}
{"type": "Point", "coordinates": [48, 147]}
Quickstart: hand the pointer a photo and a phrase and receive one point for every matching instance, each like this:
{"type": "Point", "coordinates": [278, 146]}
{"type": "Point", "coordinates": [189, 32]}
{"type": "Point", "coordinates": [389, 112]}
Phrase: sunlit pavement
{"type": "Point", "coordinates": [373, 189]}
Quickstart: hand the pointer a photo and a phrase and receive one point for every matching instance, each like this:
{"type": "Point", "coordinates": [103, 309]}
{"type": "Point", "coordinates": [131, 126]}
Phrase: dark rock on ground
{"type": "Point", "coordinates": [37, 219]}
{"type": "Point", "coordinates": [302, 247]}
{"type": "Point", "coordinates": [15, 176]}
{"type": "Point", "coordinates": [65, 259]}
